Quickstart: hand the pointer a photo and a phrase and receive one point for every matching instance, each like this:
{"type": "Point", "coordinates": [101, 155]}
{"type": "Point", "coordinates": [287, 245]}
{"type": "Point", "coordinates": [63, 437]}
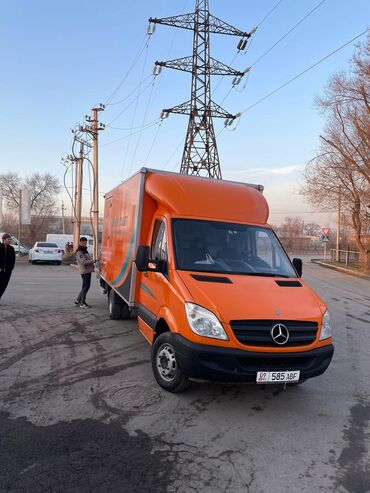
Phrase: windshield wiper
{"type": "Point", "coordinates": [265, 274]}
{"type": "Point", "coordinates": [231, 273]}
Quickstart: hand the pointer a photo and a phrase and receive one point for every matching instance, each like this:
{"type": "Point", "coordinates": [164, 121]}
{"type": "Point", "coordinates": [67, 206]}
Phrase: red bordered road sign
{"type": "Point", "coordinates": [325, 231]}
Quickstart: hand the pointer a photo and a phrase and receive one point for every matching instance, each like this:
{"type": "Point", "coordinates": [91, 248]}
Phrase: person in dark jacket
{"type": "Point", "coordinates": [86, 266]}
{"type": "Point", "coordinates": [7, 262]}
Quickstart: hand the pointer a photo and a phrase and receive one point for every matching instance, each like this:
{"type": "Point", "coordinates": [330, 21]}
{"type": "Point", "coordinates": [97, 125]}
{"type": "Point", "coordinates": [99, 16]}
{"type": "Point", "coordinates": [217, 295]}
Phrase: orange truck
{"type": "Point", "coordinates": [215, 293]}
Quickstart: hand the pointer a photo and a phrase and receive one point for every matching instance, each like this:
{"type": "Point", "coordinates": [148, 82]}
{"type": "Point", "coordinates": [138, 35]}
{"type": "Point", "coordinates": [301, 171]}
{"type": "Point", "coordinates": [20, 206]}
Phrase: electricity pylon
{"type": "Point", "coordinates": [200, 156]}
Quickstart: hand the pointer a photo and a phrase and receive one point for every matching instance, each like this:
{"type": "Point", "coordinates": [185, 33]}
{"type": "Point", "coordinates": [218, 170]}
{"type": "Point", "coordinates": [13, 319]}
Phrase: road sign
{"type": "Point", "coordinates": [325, 231]}
{"type": "Point", "coordinates": [325, 238]}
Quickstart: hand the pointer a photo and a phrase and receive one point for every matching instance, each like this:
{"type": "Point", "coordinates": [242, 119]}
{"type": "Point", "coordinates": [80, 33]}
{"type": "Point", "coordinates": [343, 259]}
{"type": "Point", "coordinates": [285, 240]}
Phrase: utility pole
{"type": "Point", "coordinates": [20, 220]}
{"type": "Point", "coordinates": [338, 227]}
{"type": "Point", "coordinates": [78, 197]}
{"type": "Point", "coordinates": [200, 155]}
{"type": "Point", "coordinates": [94, 131]}
{"type": "Point", "coordinates": [63, 222]}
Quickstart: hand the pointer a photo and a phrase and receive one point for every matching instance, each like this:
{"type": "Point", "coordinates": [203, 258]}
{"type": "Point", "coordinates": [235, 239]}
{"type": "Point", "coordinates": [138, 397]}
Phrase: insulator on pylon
{"type": "Point", "coordinates": [164, 114]}
{"type": "Point", "coordinates": [157, 69]}
{"type": "Point", "coordinates": [242, 44]}
{"type": "Point", "coordinates": [237, 115]}
{"type": "Point", "coordinates": [228, 122]}
{"type": "Point", "coordinates": [151, 28]}
{"type": "Point", "coordinates": [236, 80]}
{"type": "Point", "coordinates": [245, 71]}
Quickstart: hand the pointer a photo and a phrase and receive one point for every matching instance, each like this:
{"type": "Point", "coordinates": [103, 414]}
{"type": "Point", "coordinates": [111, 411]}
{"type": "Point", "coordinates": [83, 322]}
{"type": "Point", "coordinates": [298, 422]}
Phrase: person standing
{"type": "Point", "coordinates": [7, 262]}
{"type": "Point", "coordinates": [86, 267]}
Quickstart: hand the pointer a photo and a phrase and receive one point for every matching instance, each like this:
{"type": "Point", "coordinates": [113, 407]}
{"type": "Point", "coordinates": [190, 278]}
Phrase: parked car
{"type": "Point", "coordinates": [45, 252]}
{"type": "Point", "coordinates": [19, 248]}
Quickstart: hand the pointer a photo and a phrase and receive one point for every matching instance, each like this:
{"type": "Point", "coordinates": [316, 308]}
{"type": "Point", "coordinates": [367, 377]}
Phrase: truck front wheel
{"type": "Point", "coordinates": [165, 368]}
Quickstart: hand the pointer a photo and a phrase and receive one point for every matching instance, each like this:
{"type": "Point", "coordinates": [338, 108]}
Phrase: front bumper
{"type": "Point", "coordinates": [236, 365]}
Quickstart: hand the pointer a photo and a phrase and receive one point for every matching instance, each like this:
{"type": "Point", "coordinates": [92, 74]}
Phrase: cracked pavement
{"type": "Point", "coordinates": [81, 412]}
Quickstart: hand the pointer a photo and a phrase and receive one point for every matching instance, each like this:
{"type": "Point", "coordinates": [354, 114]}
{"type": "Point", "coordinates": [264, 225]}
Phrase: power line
{"type": "Point", "coordinates": [140, 134]}
{"type": "Point", "coordinates": [131, 128]}
{"type": "Point", "coordinates": [172, 155]}
{"type": "Point", "coordinates": [296, 77]}
{"type": "Point", "coordinates": [153, 142]}
{"type": "Point", "coordinates": [272, 47]}
{"type": "Point", "coordinates": [131, 103]}
{"type": "Point", "coordinates": [130, 94]}
{"type": "Point", "coordinates": [131, 134]}
{"type": "Point", "coordinates": [290, 30]}
{"type": "Point", "coordinates": [137, 56]}
{"type": "Point", "coordinates": [135, 109]}
{"type": "Point", "coordinates": [249, 43]}
{"type": "Point", "coordinates": [269, 13]}
{"type": "Point", "coordinates": [304, 71]}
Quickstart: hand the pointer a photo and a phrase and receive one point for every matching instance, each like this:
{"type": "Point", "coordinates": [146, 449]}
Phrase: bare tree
{"type": "Point", "coordinates": [311, 229]}
{"type": "Point", "coordinates": [9, 222]}
{"type": "Point", "coordinates": [290, 232]}
{"type": "Point", "coordinates": [43, 190]}
{"type": "Point", "coordinates": [341, 170]}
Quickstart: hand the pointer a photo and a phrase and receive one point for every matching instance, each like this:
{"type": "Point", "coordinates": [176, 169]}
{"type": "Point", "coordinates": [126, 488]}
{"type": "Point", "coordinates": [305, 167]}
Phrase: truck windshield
{"type": "Point", "coordinates": [219, 247]}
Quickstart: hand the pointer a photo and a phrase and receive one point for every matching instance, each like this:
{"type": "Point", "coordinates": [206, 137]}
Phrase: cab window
{"type": "Point", "coordinates": [159, 241]}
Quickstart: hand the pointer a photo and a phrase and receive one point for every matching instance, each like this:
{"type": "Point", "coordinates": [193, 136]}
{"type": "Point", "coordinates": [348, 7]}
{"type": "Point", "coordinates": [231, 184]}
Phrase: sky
{"type": "Point", "coordinates": [59, 59]}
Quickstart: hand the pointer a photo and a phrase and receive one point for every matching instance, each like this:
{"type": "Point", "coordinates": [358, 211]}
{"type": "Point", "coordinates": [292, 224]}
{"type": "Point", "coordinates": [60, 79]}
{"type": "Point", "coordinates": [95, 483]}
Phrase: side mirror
{"type": "Point", "coordinates": [162, 266]}
{"type": "Point", "coordinates": [297, 263]}
{"type": "Point", "coordinates": [142, 258]}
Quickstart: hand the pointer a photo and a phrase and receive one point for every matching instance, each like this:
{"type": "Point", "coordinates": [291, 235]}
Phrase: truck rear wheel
{"type": "Point", "coordinates": [117, 307]}
{"type": "Point", "coordinates": [164, 364]}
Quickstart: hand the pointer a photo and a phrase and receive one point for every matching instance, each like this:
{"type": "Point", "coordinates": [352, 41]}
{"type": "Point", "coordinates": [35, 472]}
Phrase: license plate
{"type": "Point", "coordinates": [48, 251]}
{"type": "Point", "coordinates": [277, 376]}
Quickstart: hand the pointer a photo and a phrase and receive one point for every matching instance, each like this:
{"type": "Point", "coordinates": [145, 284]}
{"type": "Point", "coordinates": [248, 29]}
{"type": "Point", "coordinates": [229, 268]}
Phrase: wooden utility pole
{"type": "Point", "coordinates": [94, 129]}
{"type": "Point", "coordinates": [78, 198]}
{"type": "Point", "coordinates": [338, 228]}
{"type": "Point", "coordinates": [63, 222]}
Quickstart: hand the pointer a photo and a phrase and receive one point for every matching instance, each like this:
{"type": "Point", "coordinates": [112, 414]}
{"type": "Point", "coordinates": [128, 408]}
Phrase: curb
{"type": "Point", "coordinates": [340, 269]}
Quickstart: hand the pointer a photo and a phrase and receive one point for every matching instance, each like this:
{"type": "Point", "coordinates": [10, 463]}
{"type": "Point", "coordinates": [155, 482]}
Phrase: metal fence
{"type": "Point", "coordinates": [347, 257]}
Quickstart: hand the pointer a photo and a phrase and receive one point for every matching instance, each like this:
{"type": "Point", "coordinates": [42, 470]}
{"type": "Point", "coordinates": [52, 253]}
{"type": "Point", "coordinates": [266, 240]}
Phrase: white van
{"type": "Point", "coordinates": [62, 239]}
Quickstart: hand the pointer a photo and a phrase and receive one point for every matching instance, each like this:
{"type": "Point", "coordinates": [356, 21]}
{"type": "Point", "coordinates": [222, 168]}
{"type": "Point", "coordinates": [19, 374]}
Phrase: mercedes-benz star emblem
{"type": "Point", "coordinates": [280, 334]}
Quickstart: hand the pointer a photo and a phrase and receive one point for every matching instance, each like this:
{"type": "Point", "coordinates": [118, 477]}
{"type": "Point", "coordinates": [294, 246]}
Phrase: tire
{"type": "Point", "coordinates": [58, 262]}
{"type": "Point", "coordinates": [29, 260]}
{"type": "Point", "coordinates": [33, 262]}
{"type": "Point", "coordinates": [165, 368]}
{"type": "Point", "coordinates": [117, 308]}
{"type": "Point", "coordinates": [125, 311]}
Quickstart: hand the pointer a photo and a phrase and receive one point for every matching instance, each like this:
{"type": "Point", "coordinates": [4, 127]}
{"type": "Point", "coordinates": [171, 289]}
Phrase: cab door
{"type": "Point", "coordinates": [154, 286]}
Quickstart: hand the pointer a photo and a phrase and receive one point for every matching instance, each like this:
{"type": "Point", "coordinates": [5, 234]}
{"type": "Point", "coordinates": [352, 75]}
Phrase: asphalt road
{"type": "Point", "coordinates": [80, 410]}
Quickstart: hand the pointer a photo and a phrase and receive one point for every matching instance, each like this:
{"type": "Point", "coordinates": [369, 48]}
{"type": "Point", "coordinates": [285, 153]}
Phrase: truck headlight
{"type": "Point", "coordinates": [327, 328]}
{"type": "Point", "coordinates": [204, 323]}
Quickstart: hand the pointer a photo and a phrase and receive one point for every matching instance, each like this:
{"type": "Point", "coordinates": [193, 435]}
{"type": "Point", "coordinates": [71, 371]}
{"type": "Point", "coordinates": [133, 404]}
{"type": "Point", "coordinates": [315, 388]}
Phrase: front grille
{"type": "Point", "coordinates": [258, 332]}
